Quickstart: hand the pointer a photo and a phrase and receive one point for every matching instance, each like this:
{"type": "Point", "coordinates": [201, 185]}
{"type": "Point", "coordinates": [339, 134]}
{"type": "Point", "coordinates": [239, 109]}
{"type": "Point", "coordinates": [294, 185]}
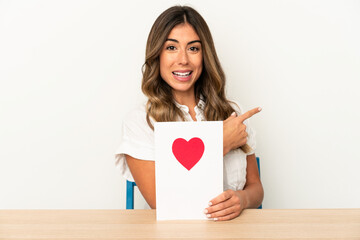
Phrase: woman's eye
{"type": "Point", "coordinates": [194, 49]}
{"type": "Point", "coordinates": [170, 48]}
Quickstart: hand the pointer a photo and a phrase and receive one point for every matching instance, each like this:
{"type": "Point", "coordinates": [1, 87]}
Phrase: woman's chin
{"type": "Point", "coordinates": [183, 90]}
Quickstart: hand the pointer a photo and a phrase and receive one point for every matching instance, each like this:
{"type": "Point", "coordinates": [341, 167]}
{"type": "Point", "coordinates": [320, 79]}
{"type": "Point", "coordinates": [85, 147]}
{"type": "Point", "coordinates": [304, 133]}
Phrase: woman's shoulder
{"type": "Point", "coordinates": [135, 125]}
{"type": "Point", "coordinates": [136, 116]}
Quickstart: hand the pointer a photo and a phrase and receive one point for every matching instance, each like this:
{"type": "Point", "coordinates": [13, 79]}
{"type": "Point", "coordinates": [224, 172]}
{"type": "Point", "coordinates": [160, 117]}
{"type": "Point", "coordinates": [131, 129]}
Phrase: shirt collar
{"type": "Point", "coordinates": [201, 103]}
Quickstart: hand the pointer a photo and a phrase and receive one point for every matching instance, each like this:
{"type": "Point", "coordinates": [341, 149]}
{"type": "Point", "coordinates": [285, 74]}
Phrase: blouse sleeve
{"type": "Point", "coordinates": [250, 131]}
{"type": "Point", "coordinates": [137, 140]}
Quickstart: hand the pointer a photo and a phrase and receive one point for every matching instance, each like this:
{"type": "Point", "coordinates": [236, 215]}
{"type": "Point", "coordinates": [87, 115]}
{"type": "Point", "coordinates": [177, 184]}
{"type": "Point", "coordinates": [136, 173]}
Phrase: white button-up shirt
{"type": "Point", "coordinates": [138, 141]}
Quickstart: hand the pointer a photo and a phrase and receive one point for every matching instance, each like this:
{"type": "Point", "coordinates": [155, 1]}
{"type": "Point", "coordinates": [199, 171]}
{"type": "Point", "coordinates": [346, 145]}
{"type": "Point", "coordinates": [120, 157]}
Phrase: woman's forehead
{"type": "Point", "coordinates": [184, 32]}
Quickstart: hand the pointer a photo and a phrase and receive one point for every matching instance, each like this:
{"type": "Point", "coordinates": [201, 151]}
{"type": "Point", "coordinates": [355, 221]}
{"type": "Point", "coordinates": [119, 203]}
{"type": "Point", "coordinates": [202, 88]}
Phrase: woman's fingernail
{"type": "Point", "coordinates": [206, 211]}
{"type": "Point", "coordinates": [215, 219]}
{"type": "Point", "coordinates": [233, 114]}
{"type": "Point", "coordinates": [259, 109]}
{"type": "Point", "coordinates": [208, 215]}
{"type": "Point", "coordinates": [210, 203]}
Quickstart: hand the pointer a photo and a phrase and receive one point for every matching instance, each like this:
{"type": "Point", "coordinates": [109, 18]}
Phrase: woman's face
{"type": "Point", "coordinates": [181, 59]}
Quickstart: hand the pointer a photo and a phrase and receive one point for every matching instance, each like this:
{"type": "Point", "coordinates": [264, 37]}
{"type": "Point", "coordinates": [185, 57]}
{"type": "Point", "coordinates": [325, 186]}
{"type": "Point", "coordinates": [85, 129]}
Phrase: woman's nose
{"type": "Point", "coordinates": [183, 57]}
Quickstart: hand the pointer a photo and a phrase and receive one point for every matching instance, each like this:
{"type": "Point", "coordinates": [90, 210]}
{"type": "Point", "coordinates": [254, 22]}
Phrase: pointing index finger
{"type": "Point", "coordinates": [249, 113]}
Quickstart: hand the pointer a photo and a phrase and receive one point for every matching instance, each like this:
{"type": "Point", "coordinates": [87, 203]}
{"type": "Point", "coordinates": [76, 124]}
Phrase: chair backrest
{"type": "Point", "coordinates": [258, 165]}
{"type": "Point", "coordinates": [130, 194]}
{"type": "Point", "coordinates": [130, 190]}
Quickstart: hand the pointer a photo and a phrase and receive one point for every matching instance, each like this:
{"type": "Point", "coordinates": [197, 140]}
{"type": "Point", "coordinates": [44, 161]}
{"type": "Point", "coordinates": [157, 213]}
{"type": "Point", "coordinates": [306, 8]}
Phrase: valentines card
{"type": "Point", "coordinates": [188, 168]}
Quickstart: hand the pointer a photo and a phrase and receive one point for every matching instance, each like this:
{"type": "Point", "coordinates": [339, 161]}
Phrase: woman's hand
{"type": "Point", "coordinates": [227, 205]}
{"type": "Point", "coordinates": [230, 203]}
{"type": "Point", "coordinates": [234, 130]}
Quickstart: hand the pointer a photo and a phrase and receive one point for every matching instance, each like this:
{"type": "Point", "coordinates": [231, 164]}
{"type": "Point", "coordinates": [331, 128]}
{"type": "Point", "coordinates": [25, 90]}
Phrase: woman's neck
{"type": "Point", "coordinates": [185, 99]}
{"type": "Point", "coordinates": [188, 100]}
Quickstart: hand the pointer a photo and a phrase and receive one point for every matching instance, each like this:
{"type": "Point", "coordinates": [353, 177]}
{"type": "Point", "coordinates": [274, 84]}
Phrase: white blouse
{"type": "Point", "coordinates": [138, 141]}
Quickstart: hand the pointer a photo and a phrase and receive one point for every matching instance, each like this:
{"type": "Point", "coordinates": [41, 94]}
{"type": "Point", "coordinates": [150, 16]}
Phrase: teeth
{"type": "Point", "coordinates": [184, 74]}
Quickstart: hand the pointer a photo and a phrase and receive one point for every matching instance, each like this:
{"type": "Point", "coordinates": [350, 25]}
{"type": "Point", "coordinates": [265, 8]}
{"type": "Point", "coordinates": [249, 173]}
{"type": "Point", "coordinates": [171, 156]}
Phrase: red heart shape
{"type": "Point", "coordinates": [188, 153]}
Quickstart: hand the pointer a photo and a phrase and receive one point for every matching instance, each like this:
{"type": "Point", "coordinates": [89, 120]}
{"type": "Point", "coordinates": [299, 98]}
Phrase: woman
{"type": "Point", "coordinates": [184, 81]}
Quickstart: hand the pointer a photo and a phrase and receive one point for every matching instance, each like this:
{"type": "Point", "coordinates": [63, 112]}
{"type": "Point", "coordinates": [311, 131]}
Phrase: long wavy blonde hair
{"type": "Point", "coordinates": [210, 85]}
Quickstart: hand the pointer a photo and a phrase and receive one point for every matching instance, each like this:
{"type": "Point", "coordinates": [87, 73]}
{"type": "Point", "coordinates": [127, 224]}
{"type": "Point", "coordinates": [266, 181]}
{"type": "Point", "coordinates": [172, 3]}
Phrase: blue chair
{"type": "Point", "coordinates": [130, 194]}
{"type": "Point", "coordinates": [258, 164]}
{"type": "Point", "coordinates": [130, 190]}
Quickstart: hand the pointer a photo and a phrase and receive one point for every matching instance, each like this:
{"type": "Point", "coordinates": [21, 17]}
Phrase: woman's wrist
{"type": "Point", "coordinates": [226, 148]}
{"type": "Point", "coordinates": [243, 199]}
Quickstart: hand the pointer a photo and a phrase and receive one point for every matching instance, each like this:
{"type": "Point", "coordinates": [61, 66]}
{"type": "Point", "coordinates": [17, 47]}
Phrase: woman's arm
{"type": "Point", "coordinates": [230, 203]}
{"type": "Point", "coordinates": [253, 189]}
{"type": "Point", "coordinates": [143, 173]}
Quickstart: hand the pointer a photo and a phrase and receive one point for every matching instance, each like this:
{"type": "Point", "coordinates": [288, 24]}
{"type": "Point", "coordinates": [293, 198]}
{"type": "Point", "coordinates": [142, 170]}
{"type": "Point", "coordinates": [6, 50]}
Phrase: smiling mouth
{"type": "Point", "coordinates": [182, 74]}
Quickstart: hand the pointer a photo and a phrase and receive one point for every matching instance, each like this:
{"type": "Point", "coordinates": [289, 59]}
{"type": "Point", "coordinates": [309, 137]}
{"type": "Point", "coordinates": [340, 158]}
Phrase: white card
{"type": "Point", "coordinates": [188, 168]}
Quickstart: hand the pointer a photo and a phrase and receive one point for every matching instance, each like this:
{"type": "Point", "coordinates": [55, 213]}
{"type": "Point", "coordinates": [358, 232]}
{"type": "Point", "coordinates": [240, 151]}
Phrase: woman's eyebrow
{"type": "Point", "coordinates": [194, 42]}
{"type": "Point", "coordinates": [174, 40]}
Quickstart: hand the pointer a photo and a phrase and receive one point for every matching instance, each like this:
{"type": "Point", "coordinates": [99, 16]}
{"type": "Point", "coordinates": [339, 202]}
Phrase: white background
{"type": "Point", "coordinates": [71, 70]}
